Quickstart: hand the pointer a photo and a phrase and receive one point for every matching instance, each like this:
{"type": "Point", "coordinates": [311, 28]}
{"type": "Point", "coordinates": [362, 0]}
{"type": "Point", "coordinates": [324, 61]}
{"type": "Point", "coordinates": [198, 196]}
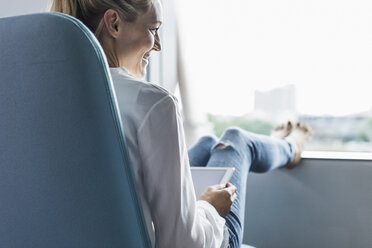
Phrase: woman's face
{"type": "Point", "coordinates": [138, 39]}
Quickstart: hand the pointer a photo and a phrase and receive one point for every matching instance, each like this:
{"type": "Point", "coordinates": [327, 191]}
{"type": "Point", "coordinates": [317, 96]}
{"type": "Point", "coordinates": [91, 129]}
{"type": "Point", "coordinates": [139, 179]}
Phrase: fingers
{"type": "Point", "coordinates": [233, 197]}
{"type": "Point", "coordinates": [232, 191]}
{"type": "Point", "coordinates": [230, 188]}
{"type": "Point", "coordinates": [221, 196]}
{"type": "Point", "coordinates": [217, 186]}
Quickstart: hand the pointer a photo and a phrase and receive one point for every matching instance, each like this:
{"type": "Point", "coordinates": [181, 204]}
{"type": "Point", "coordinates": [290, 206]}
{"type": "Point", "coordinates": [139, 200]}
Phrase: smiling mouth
{"type": "Point", "coordinates": [146, 56]}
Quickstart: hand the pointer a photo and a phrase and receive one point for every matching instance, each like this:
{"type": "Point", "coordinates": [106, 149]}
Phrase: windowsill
{"type": "Point", "coordinates": [337, 155]}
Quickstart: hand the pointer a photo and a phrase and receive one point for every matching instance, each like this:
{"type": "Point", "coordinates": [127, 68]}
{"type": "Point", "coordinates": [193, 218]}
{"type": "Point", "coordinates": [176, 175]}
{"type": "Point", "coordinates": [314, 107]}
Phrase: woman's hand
{"type": "Point", "coordinates": [220, 196]}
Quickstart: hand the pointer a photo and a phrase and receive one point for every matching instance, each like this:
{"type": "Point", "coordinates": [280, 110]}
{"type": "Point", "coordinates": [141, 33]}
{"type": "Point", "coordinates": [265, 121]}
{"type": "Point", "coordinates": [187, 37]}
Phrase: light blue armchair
{"type": "Point", "coordinates": [65, 175]}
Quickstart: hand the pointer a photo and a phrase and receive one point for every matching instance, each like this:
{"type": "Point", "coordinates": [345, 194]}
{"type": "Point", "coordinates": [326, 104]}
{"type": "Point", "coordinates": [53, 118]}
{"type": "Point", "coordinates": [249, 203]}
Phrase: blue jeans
{"type": "Point", "coordinates": [245, 152]}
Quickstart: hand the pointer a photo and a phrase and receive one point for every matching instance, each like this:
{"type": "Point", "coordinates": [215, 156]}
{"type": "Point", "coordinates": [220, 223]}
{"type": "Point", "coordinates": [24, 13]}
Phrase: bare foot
{"type": "Point", "coordinates": [300, 135]}
{"type": "Point", "coordinates": [282, 131]}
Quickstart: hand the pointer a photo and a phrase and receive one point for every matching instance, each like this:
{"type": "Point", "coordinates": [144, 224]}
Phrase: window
{"type": "Point", "coordinates": [259, 63]}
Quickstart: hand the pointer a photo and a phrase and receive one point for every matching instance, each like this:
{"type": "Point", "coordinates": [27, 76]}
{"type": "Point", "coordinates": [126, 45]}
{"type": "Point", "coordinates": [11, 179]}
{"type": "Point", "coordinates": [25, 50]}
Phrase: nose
{"type": "Point", "coordinates": [157, 44]}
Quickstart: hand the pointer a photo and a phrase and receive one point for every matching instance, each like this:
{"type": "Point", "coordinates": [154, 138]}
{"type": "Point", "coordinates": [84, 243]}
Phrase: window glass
{"type": "Point", "coordinates": [256, 64]}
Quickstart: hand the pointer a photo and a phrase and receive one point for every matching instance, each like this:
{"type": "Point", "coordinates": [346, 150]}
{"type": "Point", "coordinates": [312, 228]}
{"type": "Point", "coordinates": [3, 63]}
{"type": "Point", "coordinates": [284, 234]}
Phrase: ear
{"type": "Point", "coordinates": [112, 20]}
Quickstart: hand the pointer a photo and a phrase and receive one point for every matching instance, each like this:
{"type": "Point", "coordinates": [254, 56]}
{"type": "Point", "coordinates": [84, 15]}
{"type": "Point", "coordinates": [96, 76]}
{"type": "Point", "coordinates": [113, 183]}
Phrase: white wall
{"type": "Point", "coordinates": [21, 7]}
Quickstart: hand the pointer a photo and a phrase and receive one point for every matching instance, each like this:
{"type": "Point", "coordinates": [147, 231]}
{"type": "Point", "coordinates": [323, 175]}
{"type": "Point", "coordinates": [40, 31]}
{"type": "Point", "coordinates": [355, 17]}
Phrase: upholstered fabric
{"type": "Point", "coordinates": [65, 177]}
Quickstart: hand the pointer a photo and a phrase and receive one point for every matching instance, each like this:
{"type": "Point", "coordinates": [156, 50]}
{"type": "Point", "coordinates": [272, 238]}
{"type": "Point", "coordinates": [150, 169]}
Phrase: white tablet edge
{"type": "Point", "coordinates": [225, 179]}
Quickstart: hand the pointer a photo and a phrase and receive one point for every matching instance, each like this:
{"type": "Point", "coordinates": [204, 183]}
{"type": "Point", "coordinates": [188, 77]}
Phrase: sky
{"type": "Point", "coordinates": [323, 47]}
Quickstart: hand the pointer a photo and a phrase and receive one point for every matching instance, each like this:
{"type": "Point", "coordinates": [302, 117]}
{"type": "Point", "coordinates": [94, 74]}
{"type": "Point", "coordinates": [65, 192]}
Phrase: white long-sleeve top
{"type": "Point", "coordinates": [155, 137]}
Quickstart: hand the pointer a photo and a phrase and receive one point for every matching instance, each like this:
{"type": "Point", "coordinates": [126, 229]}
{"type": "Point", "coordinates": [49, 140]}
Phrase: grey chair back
{"type": "Point", "coordinates": [65, 174]}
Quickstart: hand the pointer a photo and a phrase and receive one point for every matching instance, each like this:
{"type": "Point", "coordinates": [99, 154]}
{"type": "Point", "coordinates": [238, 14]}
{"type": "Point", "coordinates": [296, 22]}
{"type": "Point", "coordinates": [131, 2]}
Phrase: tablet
{"type": "Point", "coordinates": [203, 177]}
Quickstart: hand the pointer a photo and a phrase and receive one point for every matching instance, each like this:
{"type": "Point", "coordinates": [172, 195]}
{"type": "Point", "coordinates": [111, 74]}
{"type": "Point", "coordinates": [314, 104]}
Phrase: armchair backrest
{"type": "Point", "coordinates": [65, 174]}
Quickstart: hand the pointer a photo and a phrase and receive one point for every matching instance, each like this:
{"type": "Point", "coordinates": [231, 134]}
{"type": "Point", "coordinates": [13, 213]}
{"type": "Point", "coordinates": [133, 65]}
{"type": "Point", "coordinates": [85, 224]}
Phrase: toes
{"type": "Point", "coordinates": [289, 126]}
{"type": "Point", "coordinates": [310, 130]}
{"type": "Point", "coordinates": [305, 128]}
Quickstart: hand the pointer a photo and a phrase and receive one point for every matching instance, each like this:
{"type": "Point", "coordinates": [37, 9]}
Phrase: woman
{"type": "Point", "coordinates": [128, 33]}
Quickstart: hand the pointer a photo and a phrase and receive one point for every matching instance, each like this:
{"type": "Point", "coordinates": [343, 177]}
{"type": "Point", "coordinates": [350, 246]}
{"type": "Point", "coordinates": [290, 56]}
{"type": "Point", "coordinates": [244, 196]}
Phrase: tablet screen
{"type": "Point", "coordinates": [207, 176]}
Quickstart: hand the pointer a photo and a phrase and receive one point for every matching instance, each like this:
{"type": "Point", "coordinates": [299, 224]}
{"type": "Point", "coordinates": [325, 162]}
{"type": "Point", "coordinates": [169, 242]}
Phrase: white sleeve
{"type": "Point", "coordinates": [179, 220]}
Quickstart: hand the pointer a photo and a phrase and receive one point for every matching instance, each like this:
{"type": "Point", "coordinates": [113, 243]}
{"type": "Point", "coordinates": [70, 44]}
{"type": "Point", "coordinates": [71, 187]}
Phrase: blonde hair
{"type": "Point", "coordinates": [90, 12]}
